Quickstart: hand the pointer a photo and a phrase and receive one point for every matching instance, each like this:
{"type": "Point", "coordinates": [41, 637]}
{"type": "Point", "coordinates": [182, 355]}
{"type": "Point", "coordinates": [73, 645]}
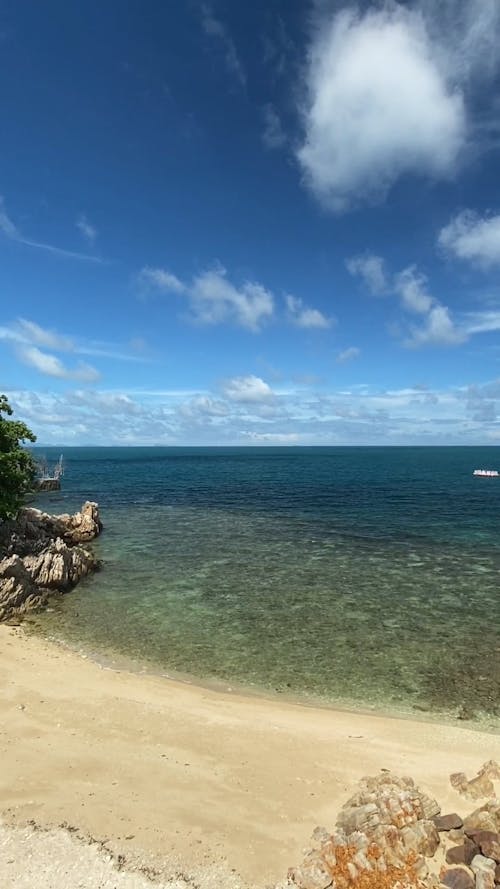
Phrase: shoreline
{"type": "Point", "coordinates": [120, 663]}
{"type": "Point", "coordinates": [190, 779]}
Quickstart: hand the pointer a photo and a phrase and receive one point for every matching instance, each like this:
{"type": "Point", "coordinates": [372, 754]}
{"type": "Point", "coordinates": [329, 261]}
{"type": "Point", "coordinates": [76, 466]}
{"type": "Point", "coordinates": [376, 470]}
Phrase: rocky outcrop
{"type": "Point", "coordinates": [382, 837]}
{"type": "Point", "coordinates": [481, 785]}
{"type": "Point", "coordinates": [43, 555]}
{"type": "Point", "coordinates": [389, 834]}
{"type": "Point", "coordinates": [18, 592]}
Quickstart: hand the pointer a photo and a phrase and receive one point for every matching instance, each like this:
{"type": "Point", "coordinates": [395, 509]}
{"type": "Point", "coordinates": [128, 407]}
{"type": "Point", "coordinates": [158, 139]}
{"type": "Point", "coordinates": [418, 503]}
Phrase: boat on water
{"type": "Point", "coordinates": [487, 473]}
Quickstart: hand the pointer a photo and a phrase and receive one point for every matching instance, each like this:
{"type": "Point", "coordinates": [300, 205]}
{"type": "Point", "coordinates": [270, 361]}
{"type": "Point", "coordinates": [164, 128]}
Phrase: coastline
{"type": "Point", "coordinates": [191, 779]}
{"type": "Point", "coordinates": [118, 662]}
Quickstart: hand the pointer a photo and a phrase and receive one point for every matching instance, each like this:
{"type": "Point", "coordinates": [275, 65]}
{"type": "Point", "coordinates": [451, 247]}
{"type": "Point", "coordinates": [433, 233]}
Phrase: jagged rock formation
{"type": "Point", "coordinates": [382, 837]}
{"type": "Point", "coordinates": [42, 555]}
{"type": "Point", "coordinates": [387, 836]}
{"type": "Point", "coordinates": [479, 786]}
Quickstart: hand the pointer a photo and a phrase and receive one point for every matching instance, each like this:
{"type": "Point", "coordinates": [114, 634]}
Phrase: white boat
{"type": "Point", "coordinates": [487, 473]}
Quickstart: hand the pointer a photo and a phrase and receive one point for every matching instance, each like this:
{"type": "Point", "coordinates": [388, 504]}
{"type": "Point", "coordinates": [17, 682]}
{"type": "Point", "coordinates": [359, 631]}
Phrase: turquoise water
{"type": "Point", "coordinates": [361, 576]}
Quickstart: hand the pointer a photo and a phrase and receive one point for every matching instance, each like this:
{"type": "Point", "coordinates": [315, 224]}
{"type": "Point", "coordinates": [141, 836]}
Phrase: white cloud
{"type": "Point", "coordinates": [40, 336]}
{"type": "Point", "coordinates": [213, 299]}
{"type": "Point", "coordinates": [410, 285]}
{"type": "Point", "coordinates": [348, 354]}
{"type": "Point", "coordinates": [481, 322]}
{"type": "Point", "coordinates": [437, 329]}
{"type": "Point", "coordinates": [247, 389]}
{"type": "Point", "coordinates": [275, 438]}
{"type": "Point", "coordinates": [54, 367]}
{"type": "Point", "coordinates": [302, 316]}
{"type": "Point", "coordinates": [378, 106]}
{"type": "Point", "coordinates": [88, 231]}
{"type": "Point", "coordinates": [6, 224]}
{"type": "Point", "coordinates": [214, 28]}
{"type": "Point", "coordinates": [12, 232]}
{"type": "Point", "coordinates": [370, 268]}
{"type": "Point", "coordinates": [473, 238]}
{"type": "Point", "coordinates": [161, 279]}
{"type": "Point", "coordinates": [359, 415]}
{"type": "Point", "coordinates": [273, 134]}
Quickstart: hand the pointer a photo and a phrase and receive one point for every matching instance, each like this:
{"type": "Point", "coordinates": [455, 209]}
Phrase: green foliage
{"type": "Point", "coordinates": [17, 467]}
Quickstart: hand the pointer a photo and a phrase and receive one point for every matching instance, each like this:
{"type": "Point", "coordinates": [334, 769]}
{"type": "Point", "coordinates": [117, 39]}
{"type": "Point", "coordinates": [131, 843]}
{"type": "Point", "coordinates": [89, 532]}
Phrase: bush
{"type": "Point", "coordinates": [17, 467]}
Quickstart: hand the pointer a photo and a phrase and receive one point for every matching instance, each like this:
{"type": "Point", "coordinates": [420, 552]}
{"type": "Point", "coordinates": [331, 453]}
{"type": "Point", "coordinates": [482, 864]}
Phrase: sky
{"type": "Point", "coordinates": [275, 223]}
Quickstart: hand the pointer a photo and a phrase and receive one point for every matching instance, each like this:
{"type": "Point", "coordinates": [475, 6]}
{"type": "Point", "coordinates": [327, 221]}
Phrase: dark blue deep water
{"type": "Point", "coordinates": [367, 577]}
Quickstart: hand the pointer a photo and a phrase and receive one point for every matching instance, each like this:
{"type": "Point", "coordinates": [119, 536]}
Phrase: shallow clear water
{"type": "Point", "coordinates": [363, 576]}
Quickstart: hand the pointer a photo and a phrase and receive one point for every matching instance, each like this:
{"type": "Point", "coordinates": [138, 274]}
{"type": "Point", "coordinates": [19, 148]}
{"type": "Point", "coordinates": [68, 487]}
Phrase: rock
{"type": "Point", "coordinates": [489, 843]}
{"type": "Point", "coordinates": [312, 876]}
{"type": "Point", "coordinates": [39, 555]}
{"type": "Point", "coordinates": [18, 592]}
{"type": "Point", "coordinates": [484, 870]}
{"type": "Point", "coordinates": [457, 834]}
{"type": "Point", "coordinates": [447, 822]}
{"type": "Point", "coordinates": [60, 567]}
{"type": "Point", "coordinates": [497, 874]}
{"type": "Point", "coordinates": [382, 836]}
{"type": "Point", "coordinates": [487, 817]}
{"type": "Point", "coordinates": [458, 780]}
{"type": "Point", "coordinates": [421, 837]}
{"type": "Point", "coordinates": [471, 849]}
{"type": "Point", "coordinates": [481, 785]}
{"type": "Point", "coordinates": [456, 855]}
{"type": "Point", "coordinates": [84, 525]}
{"type": "Point", "coordinates": [458, 877]}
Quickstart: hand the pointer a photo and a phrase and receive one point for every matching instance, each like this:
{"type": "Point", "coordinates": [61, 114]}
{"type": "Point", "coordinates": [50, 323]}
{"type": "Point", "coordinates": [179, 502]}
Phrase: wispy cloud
{"type": "Point", "coordinates": [370, 268]}
{"type": "Point", "coordinates": [161, 279]}
{"type": "Point", "coordinates": [273, 134]}
{"type": "Point", "coordinates": [29, 339]}
{"type": "Point", "coordinates": [217, 30]}
{"type": "Point", "coordinates": [88, 231]}
{"type": "Point", "coordinates": [410, 286]}
{"type": "Point", "coordinates": [473, 238]}
{"type": "Point", "coordinates": [10, 230]}
{"type": "Point", "coordinates": [41, 336]}
{"type": "Point", "coordinates": [214, 299]}
{"type": "Point", "coordinates": [52, 366]}
{"type": "Point", "coordinates": [302, 316]}
{"type": "Point", "coordinates": [348, 355]}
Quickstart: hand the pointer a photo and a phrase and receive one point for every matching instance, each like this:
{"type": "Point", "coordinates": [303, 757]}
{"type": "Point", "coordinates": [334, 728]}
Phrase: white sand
{"type": "Point", "coordinates": [219, 787]}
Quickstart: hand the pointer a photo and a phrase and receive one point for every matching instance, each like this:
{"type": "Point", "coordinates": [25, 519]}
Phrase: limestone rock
{"type": "Point", "coordinates": [481, 785]}
{"type": "Point", "coordinates": [18, 592]}
{"type": "Point", "coordinates": [60, 567]}
{"type": "Point", "coordinates": [39, 554]}
{"type": "Point", "coordinates": [487, 817]}
{"type": "Point", "coordinates": [484, 870]}
{"type": "Point", "coordinates": [383, 835]}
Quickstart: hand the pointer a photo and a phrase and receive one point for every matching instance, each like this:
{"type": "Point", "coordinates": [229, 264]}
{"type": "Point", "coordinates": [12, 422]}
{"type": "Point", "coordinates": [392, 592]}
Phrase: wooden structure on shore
{"type": "Point", "coordinates": [47, 480]}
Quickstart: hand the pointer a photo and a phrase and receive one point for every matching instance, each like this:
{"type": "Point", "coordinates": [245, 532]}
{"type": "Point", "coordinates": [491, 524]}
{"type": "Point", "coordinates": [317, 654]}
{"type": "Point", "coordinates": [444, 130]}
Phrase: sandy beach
{"type": "Point", "coordinates": [192, 781]}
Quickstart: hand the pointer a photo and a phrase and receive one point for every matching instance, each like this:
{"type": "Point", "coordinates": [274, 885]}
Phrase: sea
{"type": "Point", "coordinates": [358, 577]}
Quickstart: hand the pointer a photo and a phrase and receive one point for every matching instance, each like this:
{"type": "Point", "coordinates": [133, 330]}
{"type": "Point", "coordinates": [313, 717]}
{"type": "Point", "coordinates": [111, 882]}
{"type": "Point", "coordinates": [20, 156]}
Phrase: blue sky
{"type": "Point", "coordinates": [266, 223]}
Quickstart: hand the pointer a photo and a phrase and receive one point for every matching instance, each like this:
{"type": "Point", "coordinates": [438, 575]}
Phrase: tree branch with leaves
{"type": "Point", "coordinates": [17, 466]}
